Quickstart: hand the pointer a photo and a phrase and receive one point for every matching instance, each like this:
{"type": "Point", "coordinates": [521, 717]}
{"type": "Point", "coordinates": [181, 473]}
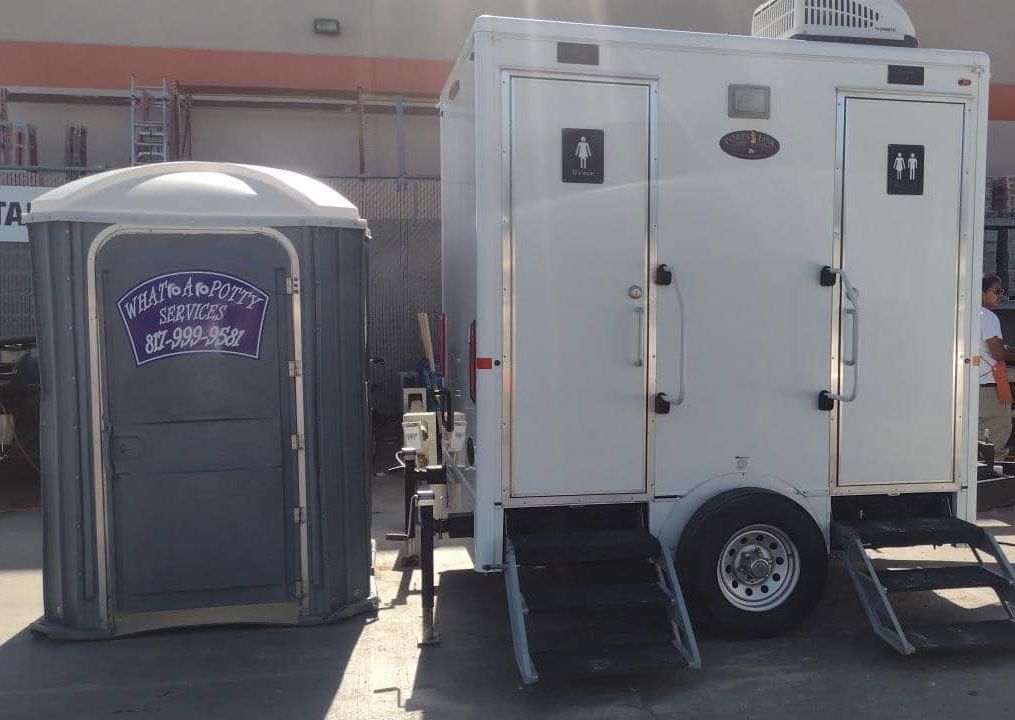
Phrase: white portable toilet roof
{"type": "Point", "coordinates": [198, 194]}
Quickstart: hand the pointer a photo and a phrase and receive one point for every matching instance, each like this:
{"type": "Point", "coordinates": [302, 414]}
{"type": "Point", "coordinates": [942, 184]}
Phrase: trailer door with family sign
{"type": "Point", "coordinates": [898, 336]}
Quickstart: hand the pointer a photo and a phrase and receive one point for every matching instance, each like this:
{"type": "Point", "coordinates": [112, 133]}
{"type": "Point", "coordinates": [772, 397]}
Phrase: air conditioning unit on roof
{"type": "Point", "coordinates": [872, 22]}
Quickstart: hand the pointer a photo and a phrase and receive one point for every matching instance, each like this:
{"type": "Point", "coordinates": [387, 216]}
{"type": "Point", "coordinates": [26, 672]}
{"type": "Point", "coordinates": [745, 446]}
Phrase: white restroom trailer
{"type": "Point", "coordinates": [690, 290]}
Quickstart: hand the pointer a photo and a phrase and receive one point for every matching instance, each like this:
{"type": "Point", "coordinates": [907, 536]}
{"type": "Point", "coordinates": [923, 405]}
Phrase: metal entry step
{"type": "Point", "coordinates": [910, 532]}
{"type": "Point", "coordinates": [594, 602]}
{"type": "Point", "coordinates": [874, 585]}
{"type": "Point", "coordinates": [946, 578]}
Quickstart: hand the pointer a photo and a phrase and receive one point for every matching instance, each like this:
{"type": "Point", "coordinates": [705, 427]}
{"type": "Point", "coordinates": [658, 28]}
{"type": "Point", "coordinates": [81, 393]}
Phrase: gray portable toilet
{"type": "Point", "coordinates": [202, 338]}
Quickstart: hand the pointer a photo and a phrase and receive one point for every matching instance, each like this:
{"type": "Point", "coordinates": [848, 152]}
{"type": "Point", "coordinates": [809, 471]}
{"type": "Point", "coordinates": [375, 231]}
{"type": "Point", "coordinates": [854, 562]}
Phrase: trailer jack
{"type": "Point", "coordinates": [419, 516]}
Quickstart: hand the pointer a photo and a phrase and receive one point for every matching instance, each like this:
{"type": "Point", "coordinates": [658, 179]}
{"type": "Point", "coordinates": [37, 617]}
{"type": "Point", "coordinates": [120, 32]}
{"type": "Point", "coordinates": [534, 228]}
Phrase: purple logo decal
{"type": "Point", "coordinates": [195, 311]}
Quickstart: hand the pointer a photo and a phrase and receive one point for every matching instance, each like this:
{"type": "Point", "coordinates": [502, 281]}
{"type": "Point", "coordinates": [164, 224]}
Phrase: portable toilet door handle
{"type": "Point", "coordinates": [826, 399]}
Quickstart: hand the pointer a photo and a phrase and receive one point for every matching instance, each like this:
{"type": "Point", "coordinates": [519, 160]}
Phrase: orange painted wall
{"type": "Point", "coordinates": [109, 67]}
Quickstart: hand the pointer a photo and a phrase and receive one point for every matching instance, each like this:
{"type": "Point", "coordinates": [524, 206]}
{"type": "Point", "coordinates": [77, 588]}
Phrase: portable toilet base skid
{"type": "Point", "coordinates": [202, 341]}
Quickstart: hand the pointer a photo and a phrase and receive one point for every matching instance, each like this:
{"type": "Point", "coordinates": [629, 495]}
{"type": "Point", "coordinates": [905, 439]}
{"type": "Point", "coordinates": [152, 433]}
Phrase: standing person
{"type": "Point", "coordinates": [995, 392]}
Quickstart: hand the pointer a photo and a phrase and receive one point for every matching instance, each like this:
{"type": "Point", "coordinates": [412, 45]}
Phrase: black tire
{"type": "Point", "coordinates": [705, 537]}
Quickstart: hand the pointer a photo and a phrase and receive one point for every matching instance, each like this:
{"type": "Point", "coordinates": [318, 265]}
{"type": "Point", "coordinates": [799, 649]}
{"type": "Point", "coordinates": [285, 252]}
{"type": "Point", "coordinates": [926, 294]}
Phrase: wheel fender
{"type": "Point", "coordinates": [669, 519]}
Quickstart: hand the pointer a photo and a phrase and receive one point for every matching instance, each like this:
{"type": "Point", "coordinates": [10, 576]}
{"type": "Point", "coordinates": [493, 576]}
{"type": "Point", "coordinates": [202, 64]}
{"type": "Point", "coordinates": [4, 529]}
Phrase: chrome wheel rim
{"type": "Point", "coordinates": [758, 568]}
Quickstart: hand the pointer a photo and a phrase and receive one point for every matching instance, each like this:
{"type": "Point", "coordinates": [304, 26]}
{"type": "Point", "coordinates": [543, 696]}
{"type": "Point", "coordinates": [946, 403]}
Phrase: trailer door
{"type": "Point", "coordinates": [901, 248]}
{"type": "Point", "coordinates": [579, 326]}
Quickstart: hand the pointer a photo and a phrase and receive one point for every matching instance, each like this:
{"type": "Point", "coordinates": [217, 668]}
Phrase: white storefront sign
{"type": "Point", "coordinates": [15, 203]}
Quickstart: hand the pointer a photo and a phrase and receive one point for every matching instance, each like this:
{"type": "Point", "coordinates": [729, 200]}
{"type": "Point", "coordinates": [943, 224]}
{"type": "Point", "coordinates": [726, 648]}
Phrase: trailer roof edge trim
{"type": "Point", "coordinates": [627, 35]}
{"type": "Point", "coordinates": [198, 193]}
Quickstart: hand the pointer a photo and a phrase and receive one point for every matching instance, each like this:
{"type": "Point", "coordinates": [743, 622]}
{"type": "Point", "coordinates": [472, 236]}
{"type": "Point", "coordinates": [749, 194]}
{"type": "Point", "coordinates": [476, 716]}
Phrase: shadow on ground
{"type": "Point", "coordinates": [206, 673]}
{"type": "Point", "coordinates": [832, 666]}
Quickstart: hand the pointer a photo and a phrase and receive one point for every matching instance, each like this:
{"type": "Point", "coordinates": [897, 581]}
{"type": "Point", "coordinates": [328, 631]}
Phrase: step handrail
{"type": "Point", "coordinates": [684, 639]}
{"type": "Point", "coordinates": [516, 614]}
{"type": "Point", "coordinates": [872, 595]}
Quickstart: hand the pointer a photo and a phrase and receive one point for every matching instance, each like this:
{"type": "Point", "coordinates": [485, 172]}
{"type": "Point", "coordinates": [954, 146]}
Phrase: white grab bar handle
{"type": "Point", "coordinates": [682, 339]}
{"type": "Point", "coordinates": [665, 276]}
{"type": "Point", "coordinates": [854, 360]}
{"type": "Point", "coordinates": [851, 360]}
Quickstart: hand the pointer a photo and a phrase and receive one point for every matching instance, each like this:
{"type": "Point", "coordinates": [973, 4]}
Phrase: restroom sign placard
{"type": "Point", "coordinates": [905, 169]}
{"type": "Point", "coordinates": [582, 155]}
{"type": "Point", "coordinates": [194, 311]}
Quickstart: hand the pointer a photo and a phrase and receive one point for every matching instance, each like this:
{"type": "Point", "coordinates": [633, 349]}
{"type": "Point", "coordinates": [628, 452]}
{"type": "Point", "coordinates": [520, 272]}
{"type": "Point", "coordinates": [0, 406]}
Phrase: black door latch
{"type": "Point", "coordinates": [663, 404]}
{"type": "Point", "coordinates": [664, 275]}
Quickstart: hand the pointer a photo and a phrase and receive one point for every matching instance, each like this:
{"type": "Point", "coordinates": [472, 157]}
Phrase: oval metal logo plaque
{"type": "Point", "coordinates": [749, 144]}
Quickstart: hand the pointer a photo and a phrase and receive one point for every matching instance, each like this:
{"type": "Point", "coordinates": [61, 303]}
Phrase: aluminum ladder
{"type": "Point", "coordinates": [149, 122]}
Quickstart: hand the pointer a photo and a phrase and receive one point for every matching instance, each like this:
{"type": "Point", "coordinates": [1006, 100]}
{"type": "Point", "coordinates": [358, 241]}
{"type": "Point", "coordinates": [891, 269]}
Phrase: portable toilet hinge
{"type": "Point", "coordinates": [300, 587]}
{"type": "Point", "coordinates": [292, 285]}
{"type": "Point", "coordinates": [297, 442]}
{"type": "Point", "coordinates": [299, 515]}
{"type": "Point", "coordinates": [295, 368]}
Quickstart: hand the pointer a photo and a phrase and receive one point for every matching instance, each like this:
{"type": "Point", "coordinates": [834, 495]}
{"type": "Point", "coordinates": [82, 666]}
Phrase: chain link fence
{"type": "Point", "coordinates": [405, 272]}
{"type": "Point", "coordinates": [404, 218]}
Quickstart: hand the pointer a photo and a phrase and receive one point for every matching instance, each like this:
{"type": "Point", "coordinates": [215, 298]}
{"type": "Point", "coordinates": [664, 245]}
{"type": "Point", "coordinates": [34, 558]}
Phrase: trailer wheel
{"type": "Point", "coordinates": [752, 564]}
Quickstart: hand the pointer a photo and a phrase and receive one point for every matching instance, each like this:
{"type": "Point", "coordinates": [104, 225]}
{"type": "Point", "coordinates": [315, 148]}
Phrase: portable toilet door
{"type": "Point", "coordinates": [197, 444]}
{"type": "Point", "coordinates": [197, 411]}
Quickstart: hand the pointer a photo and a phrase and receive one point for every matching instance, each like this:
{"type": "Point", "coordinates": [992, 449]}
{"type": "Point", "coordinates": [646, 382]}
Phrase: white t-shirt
{"type": "Point", "coordinates": [990, 327]}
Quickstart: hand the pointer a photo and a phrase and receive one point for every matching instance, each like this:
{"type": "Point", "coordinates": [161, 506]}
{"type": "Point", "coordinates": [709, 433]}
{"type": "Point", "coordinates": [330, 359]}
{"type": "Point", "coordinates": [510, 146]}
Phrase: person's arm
{"type": "Point", "coordinates": [999, 351]}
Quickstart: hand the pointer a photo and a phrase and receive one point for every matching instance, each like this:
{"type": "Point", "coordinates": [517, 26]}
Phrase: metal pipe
{"type": "Point", "coordinates": [54, 168]}
{"type": "Point", "coordinates": [400, 137]}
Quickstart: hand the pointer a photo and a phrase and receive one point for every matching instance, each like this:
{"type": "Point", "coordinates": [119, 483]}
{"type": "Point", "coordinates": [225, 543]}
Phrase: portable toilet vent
{"type": "Point", "coordinates": [871, 22]}
{"type": "Point", "coordinates": [201, 334]}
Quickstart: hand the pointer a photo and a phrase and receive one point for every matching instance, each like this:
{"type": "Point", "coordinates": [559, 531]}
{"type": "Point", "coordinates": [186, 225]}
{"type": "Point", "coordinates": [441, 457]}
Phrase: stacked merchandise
{"type": "Point", "coordinates": [26, 149]}
{"type": "Point", "coordinates": [18, 145]}
{"type": "Point", "coordinates": [76, 148]}
{"type": "Point", "coordinates": [1005, 188]}
{"type": "Point", "coordinates": [6, 130]}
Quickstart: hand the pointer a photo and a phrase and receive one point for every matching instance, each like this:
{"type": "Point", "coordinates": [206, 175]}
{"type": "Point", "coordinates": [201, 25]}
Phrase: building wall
{"type": "Point", "coordinates": [320, 143]}
{"type": "Point", "coordinates": [434, 29]}
{"type": "Point", "coordinates": [388, 47]}
{"type": "Point", "coordinates": [108, 131]}
{"type": "Point", "coordinates": [427, 29]}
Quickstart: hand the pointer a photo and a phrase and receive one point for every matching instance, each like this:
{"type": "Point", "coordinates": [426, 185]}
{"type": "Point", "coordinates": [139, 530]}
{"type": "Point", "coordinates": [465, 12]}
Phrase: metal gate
{"type": "Point", "coordinates": [405, 271]}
